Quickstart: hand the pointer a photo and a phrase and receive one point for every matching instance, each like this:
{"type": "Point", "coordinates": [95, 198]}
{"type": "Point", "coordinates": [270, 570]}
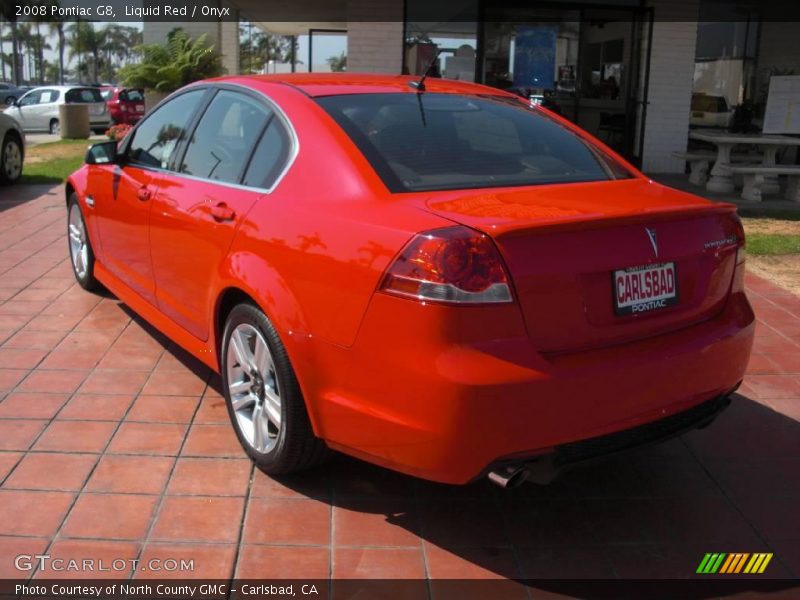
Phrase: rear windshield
{"type": "Point", "coordinates": [420, 142]}
{"type": "Point", "coordinates": [83, 95]}
{"type": "Point", "coordinates": [131, 96]}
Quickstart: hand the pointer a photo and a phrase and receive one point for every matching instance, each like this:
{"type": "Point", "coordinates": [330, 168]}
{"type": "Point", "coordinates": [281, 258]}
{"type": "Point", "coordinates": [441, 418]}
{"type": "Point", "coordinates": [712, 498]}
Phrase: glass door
{"type": "Point", "coordinates": [584, 64]}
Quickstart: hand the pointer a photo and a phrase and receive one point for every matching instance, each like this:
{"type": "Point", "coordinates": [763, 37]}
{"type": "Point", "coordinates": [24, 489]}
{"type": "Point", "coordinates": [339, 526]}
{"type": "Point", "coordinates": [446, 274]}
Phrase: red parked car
{"type": "Point", "coordinates": [125, 105]}
{"type": "Point", "coordinates": [440, 279]}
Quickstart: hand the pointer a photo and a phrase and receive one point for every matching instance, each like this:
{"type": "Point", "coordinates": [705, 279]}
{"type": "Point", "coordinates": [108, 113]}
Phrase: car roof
{"type": "Point", "coordinates": [64, 88]}
{"type": "Point", "coordinates": [332, 84]}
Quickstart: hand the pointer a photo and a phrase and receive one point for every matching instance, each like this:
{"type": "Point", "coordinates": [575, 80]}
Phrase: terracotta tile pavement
{"type": "Point", "coordinates": [113, 443]}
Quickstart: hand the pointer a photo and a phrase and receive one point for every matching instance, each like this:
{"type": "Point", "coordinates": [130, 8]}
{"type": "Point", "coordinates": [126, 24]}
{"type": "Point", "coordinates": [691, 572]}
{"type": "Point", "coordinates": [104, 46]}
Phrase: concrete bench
{"type": "Point", "coordinates": [700, 161]}
{"type": "Point", "coordinates": [754, 175]}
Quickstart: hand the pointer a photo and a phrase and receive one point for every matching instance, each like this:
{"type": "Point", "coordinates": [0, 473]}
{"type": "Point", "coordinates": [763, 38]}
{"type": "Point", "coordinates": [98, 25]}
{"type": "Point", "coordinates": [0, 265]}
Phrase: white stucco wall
{"type": "Point", "coordinates": [669, 94]}
{"type": "Point", "coordinates": [375, 36]}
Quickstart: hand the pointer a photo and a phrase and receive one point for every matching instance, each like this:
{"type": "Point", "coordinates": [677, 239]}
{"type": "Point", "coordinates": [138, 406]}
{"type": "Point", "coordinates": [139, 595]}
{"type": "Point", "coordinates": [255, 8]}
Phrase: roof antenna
{"type": "Point", "coordinates": [420, 85]}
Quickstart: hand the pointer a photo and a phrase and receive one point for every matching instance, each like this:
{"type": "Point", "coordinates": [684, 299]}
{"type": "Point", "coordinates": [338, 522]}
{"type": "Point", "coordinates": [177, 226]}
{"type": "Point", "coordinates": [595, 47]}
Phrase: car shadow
{"type": "Point", "coordinates": [646, 514]}
{"type": "Point", "coordinates": [15, 195]}
{"type": "Point", "coordinates": [645, 517]}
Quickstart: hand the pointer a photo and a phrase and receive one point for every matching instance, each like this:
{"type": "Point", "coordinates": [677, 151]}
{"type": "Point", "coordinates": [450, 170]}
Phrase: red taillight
{"type": "Point", "coordinates": [455, 264]}
{"type": "Point", "coordinates": [741, 243]}
{"type": "Point", "coordinates": [738, 274]}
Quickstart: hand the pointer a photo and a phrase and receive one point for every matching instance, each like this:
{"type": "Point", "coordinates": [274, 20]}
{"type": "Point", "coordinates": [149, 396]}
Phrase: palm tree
{"type": "Point", "coordinates": [57, 28]}
{"type": "Point", "coordinates": [338, 63]}
{"type": "Point", "coordinates": [2, 50]}
{"type": "Point", "coordinates": [86, 40]}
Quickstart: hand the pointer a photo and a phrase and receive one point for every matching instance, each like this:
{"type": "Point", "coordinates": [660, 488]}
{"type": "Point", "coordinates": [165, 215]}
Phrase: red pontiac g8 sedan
{"type": "Point", "coordinates": [438, 278]}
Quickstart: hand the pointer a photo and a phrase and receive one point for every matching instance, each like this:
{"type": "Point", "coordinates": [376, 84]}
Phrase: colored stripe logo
{"type": "Point", "coordinates": [733, 563]}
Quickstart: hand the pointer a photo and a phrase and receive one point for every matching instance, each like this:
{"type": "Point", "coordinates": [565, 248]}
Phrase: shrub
{"type": "Point", "coordinates": [168, 68]}
{"type": "Point", "coordinates": [117, 132]}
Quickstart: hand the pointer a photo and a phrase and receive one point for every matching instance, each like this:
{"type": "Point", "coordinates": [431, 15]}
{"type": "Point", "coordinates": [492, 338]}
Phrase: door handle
{"type": "Point", "coordinates": [222, 212]}
{"type": "Point", "coordinates": [144, 193]}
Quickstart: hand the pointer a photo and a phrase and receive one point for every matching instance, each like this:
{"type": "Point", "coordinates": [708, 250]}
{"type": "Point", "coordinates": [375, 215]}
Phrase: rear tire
{"type": "Point", "coordinates": [10, 159]}
{"type": "Point", "coordinates": [264, 400]}
{"type": "Point", "coordinates": [80, 247]}
{"type": "Point", "coordinates": [55, 127]}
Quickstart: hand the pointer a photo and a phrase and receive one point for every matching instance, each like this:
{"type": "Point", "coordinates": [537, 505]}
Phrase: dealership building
{"type": "Point", "coordinates": [632, 72]}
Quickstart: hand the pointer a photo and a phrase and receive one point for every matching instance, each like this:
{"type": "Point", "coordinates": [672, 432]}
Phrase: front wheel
{"type": "Point", "coordinates": [264, 400]}
{"type": "Point", "coordinates": [80, 248]}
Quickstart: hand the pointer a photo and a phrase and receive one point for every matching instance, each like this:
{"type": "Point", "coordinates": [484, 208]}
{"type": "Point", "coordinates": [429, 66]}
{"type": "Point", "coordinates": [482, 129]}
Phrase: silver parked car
{"type": "Point", "coordinates": [37, 110]}
{"type": "Point", "coordinates": [12, 149]}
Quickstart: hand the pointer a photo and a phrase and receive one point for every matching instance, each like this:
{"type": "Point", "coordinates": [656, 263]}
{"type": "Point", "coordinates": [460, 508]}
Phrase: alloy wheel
{"type": "Point", "coordinates": [78, 248]}
{"type": "Point", "coordinates": [254, 388]}
{"type": "Point", "coordinates": [12, 160]}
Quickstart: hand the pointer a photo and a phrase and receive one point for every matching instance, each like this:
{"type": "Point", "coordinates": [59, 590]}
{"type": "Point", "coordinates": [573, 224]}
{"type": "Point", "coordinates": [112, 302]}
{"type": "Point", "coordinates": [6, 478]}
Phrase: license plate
{"type": "Point", "coordinates": [140, 108]}
{"type": "Point", "coordinates": [98, 110]}
{"type": "Point", "coordinates": [643, 289]}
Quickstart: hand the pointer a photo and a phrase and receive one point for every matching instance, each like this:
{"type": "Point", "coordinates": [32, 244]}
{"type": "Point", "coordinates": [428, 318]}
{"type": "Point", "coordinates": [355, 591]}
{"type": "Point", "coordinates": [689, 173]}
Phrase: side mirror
{"type": "Point", "coordinates": [103, 153]}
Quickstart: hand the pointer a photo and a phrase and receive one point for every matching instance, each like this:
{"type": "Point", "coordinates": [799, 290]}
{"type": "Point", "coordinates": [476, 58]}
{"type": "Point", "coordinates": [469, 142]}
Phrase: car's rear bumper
{"type": "Point", "coordinates": [542, 468]}
{"type": "Point", "coordinates": [413, 399]}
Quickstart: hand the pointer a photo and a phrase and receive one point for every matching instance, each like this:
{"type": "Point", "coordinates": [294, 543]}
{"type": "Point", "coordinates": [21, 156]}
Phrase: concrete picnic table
{"type": "Point", "coordinates": [721, 179]}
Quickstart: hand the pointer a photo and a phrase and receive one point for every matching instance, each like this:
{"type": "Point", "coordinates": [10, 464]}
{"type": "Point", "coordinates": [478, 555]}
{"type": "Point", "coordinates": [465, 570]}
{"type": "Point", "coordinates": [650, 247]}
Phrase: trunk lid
{"type": "Point", "coordinates": [563, 243]}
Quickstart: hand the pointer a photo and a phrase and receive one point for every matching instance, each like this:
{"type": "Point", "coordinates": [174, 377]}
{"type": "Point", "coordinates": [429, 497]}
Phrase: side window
{"type": "Point", "coordinates": [223, 140]}
{"type": "Point", "coordinates": [48, 96]}
{"type": "Point", "coordinates": [30, 99]}
{"type": "Point", "coordinates": [155, 139]}
{"type": "Point", "coordinates": [270, 156]}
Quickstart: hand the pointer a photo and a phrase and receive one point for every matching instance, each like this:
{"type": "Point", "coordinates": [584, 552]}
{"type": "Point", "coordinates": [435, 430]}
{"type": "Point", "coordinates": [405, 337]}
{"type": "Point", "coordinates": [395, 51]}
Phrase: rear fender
{"type": "Point", "coordinates": [253, 275]}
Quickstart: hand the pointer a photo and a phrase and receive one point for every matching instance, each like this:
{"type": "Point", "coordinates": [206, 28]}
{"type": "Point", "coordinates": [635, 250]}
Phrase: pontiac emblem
{"type": "Point", "coordinates": [651, 233]}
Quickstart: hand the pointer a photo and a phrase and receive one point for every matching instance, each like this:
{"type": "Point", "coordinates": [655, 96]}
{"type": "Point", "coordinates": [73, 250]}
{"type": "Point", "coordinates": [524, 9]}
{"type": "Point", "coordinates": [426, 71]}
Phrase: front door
{"type": "Point", "coordinates": [24, 110]}
{"type": "Point", "coordinates": [200, 206]}
{"type": "Point", "coordinates": [126, 193]}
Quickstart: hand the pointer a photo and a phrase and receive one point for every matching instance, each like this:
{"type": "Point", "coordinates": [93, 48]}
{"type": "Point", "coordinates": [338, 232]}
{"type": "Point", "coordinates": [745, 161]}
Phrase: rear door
{"type": "Point", "coordinates": [124, 193]}
{"type": "Point", "coordinates": [234, 154]}
{"type": "Point", "coordinates": [45, 109]}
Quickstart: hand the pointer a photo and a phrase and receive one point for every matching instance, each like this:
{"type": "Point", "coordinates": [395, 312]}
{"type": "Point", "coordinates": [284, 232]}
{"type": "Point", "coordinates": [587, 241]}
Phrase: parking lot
{"type": "Point", "coordinates": [115, 444]}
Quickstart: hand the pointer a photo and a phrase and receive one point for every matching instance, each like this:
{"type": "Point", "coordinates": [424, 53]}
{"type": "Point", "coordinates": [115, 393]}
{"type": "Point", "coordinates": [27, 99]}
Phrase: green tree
{"type": "Point", "coordinates": [167, 68]}
{"type": "Point", "coordinates": [86, 43]}
{"type": "Point", "coordinates": [338, 63]}
{"type": "Point", "coordinates": [57, 28]}
{"type": "Point", "coordinates": [257, 48]}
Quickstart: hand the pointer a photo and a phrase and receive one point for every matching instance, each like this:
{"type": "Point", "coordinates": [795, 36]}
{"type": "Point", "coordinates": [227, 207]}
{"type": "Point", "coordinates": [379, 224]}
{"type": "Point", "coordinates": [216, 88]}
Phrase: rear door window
{"type": "Point", "coordinates": [49, 96]}
{"type": "Point", "coordinates": [223, 140]}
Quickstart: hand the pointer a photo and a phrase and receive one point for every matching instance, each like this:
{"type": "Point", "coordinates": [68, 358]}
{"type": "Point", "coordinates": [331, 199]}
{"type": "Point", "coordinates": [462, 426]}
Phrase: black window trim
{"type": "Point", "coordinates": [211, 92]}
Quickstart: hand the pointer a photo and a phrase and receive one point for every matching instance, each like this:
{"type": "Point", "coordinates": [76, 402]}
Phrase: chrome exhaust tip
{"type": "Point", "coordinates": [509, 477]}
